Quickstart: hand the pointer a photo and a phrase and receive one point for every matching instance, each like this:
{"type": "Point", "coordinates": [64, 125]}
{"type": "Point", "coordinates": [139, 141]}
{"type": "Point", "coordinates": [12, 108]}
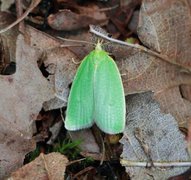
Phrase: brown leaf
{"type": "Point", "coordinates": [41, 40]}
{"type": "Point", "coordinates": [186, 92]}
{"type": "Point", "coordinates": [88, 146]}
{"type": "Point", "coordinates": [142, 72]}
{"type": "Point", "coordinates": [61, 66]}
{"type": "Point", "coordinates": [22, 96]}
{"type": "Point", "coordinates": [165, 26]}
{"type": "Point", "coordinates": [8, 38]}
{"type": "Point", "coordinates": [13, 147]}
{"type": "Point", "coordinates": [172, 102]}
{"type": "Point", "coordinates": [68, 20]}
{"type": "Point", "coordinates": [56, 59]}
{"type": "Point", "coordinates": [50, 166]}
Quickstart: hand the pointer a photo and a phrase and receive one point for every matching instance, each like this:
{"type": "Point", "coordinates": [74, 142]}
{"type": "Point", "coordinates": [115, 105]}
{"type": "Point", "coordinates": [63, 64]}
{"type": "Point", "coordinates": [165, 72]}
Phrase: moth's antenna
{"type": "Point", "coordinates": [74, 40]}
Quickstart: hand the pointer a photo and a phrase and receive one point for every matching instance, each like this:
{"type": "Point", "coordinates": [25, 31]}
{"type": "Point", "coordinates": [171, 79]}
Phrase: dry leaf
{"type": "Point", "coordinates": [88, 146]}
{"type": "Point", "coordinates": [5, 5]}
{"type": "Point", "coordinates": [151, 136]}
{"type": "Point", "coordinates": [68, 20]}
{"type": "Point", "coordinates": [164, 26]}
{"type": "Point", "coordinates": [134, 21]}
{"type": "Point", "coordinates": [22, 96]}
{"type": "Point", "coordinates": [171, 101]}
{"type": "Point", "coordinates": [56, 59]}
{"type": "Point", "coordinates": [41, 40]}
{"type": "Point", "coordinates": [80, 49]}
{"type": "Point", "coordinates": [50, 166]}
{"type": "Point", "coordinates": [55, 130]}
{"type": "Point", "coordinates": [142, 72]}
{"type": "Point", "coordinates": [8, 38]}
{"type": "Point", "coordinates": [61, 66]}
{"type": "Point", "coordinates": [186, 92]}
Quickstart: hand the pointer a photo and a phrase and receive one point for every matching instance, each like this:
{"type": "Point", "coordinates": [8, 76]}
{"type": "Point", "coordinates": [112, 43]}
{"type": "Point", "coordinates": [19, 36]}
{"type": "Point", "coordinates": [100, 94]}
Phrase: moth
{"type": "Point", "coordinates": [97, 95]}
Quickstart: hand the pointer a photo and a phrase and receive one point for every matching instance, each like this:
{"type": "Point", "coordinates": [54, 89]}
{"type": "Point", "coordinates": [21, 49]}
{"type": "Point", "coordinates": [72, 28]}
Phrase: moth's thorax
{"type": "Point", "coordinates": [98, 46]}
{"type": "Point", "coordinates": [98, 57]}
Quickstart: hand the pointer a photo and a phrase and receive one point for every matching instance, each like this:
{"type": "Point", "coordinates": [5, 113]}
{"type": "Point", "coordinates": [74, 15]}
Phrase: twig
{"type": "Point", "coordinates": [77, 63]}
{"type": "Point", "coordinates": [74, 40]}
{"type": "Point", "coordinates": [75, 161]}
{"type": "Point", "coordinates": [155, 164]}
{"type": "Point", "coordinates": [61, 114]}
{"type": "Point", "coordinates": [136, 46]}
{"type": "Point", "coordinates": [108, 8]}
{"type": "Point", "coordinates": [33, 4]}
{"type": "Point", "coordinates": [82, 172]}
{"type": "Point", "coordinates": [70, 45]}
{"type": "Point", "coordinates": [19, 10]}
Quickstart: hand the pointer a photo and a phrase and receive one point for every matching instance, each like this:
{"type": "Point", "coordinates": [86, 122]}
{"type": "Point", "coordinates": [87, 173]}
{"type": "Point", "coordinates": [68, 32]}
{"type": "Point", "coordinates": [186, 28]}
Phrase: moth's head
{"type": "Point", "coordinates": [98, 45]}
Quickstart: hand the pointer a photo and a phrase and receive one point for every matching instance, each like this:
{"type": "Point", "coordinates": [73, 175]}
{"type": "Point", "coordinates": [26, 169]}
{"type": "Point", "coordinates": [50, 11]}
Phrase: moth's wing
{"type": "Point", "coordinates": [109, 99]}
{"type": "Point", "coordinates": [79, 112]}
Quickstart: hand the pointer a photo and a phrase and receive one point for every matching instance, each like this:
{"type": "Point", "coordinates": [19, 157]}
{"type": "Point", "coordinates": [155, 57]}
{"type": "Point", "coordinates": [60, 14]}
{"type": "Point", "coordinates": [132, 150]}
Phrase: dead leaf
{"type": "Point", "coordinates": [61, 66]}
{"type": "Point", "coordinates": [8, 38]}
{"type": "Point", "coordinates": [80, 49]}
{"type": "Point", "coordinates": [134, 21]}
{"type": "Point", "coordinates": [151, 136]}
{"type": "Point", "coordinates": [13, 147]}
{"type": "Point", "coordinates": [68, 20]}
{"type": "Point", "coordinates": [171, 101]}
{"type": "Point", "coordinates": [5, 5]}
{"type": "Point", "coordinates": [41, 40]}
{"type": "Point", "coordinates": [22, 95]}
{"type": "Point", "coordinates": [142, 72]}
{"type": "Point", "coordinates": [88, 146]}
{"type": "Point", "coordinates": [186, 92]}
{"type": "Point", "coordinates": [50, 166]}
{"type": "Point", "coordinates": [55, 130]}
{"type": "Point", "coordinates": [164, 26]}
{"type": "Point", "coordinates": [56, 59]}
{"type": "Point", "coordinates": [45, 43]}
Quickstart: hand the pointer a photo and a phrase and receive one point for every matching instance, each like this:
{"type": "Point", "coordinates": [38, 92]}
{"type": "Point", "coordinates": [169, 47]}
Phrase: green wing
{"type": "Point", "coordinates": [109, 99]}
{"type": "Point", "coordinates": [80, 106]}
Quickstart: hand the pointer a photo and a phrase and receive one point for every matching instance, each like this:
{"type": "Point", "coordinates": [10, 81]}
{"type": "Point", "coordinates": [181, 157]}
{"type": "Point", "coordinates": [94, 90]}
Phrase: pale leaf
{"type": "Point", "coordinates": [151, 136]}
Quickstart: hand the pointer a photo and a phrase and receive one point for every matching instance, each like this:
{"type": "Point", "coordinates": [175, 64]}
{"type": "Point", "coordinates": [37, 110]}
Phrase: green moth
{"type": "Point", "coordinates": [97, 95]}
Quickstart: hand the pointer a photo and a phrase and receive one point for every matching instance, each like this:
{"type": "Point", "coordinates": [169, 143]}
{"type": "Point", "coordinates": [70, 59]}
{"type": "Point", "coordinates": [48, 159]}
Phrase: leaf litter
{"type": "Point", "coordinates": [23, 95]}
{"type": "Point", "coordinates": [166, 75]}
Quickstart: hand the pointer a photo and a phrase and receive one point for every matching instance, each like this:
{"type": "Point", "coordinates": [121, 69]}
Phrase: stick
{"type": "Point", "coordinates": [155, 164]}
